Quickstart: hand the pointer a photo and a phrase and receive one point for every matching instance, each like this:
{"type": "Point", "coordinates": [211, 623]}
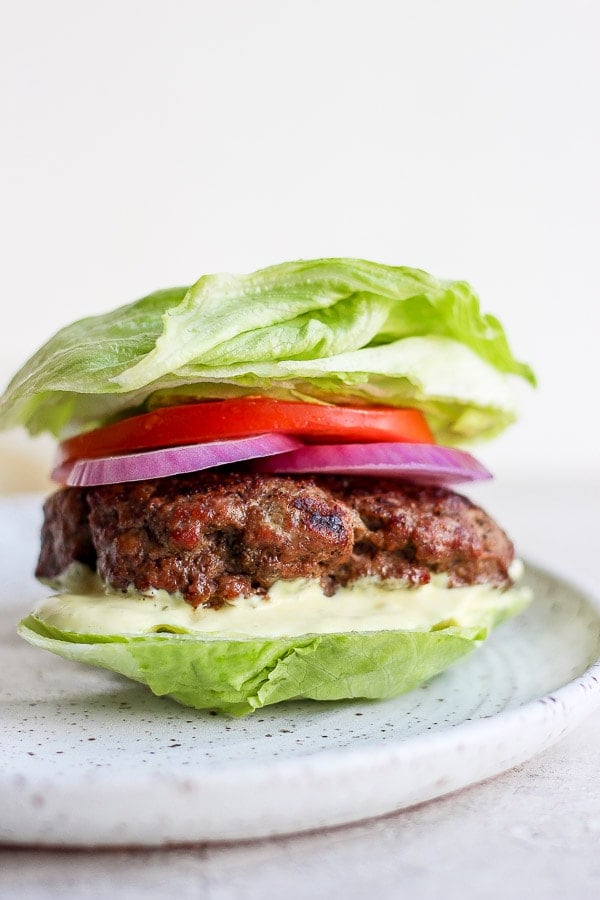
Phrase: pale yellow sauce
{"type": "Point", "coordinates": [290, 608]}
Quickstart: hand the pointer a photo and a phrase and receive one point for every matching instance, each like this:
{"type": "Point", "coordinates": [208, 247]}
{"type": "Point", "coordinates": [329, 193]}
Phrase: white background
{"type": "Point", "coordinates": [146, 143]}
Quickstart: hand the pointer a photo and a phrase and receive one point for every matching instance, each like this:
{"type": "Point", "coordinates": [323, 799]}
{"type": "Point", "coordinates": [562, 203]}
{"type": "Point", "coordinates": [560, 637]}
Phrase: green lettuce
{"type": "Point", "coordinates": [328, 330]}
{"type": "Point", "coordinates": [238, 675]}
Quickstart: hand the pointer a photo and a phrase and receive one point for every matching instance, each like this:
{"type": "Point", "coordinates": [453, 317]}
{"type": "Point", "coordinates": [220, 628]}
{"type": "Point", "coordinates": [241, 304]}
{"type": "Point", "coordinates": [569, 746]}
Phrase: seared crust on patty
{"type": "Point", "coordinates": [214, 536]}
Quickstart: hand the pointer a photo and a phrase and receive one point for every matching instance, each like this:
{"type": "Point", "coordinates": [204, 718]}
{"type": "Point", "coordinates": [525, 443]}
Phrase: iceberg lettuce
{"type": "Point", "coordinates": [238, 675]}
{"type": "Point", "coordinates": [327, 330]}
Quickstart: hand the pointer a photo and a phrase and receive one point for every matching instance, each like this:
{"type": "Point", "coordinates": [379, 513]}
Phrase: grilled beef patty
{"type": "Point", "coordinates": [218, 536]}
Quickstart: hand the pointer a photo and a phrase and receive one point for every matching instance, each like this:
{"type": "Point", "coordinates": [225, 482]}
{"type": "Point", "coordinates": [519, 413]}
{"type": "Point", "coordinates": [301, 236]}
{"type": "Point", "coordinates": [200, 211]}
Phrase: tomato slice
{"type": "Point", "coordinates": [192, 423]}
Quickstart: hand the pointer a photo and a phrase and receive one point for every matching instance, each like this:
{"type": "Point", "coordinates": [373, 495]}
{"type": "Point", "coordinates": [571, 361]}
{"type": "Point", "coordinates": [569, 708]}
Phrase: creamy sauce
{"type": "Point", "coordinates": [290, 608]}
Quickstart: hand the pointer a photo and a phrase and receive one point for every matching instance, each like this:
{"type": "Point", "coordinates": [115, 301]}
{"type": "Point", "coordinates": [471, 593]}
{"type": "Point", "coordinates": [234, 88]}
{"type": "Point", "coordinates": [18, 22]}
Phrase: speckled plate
{"type": "Point", "coordinates": [91, 759]}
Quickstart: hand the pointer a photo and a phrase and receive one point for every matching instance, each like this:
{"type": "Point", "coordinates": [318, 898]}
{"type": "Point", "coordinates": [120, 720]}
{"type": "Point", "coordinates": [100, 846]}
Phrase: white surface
{"type": "Point", "coordinates": [531, 833]}
{"type": "Point", "coordinates": [146, 144]}
{"type": "Point", "coordinates": [90, 759]}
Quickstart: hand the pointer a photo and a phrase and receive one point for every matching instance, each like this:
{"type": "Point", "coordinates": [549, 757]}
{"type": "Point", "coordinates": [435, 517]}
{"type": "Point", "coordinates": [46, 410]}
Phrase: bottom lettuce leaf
{"type": "Point", "coordinates": [239, 675]}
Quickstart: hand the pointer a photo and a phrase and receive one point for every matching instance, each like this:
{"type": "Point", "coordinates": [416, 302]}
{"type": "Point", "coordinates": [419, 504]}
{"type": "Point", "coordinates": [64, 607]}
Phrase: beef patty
{"type": "Point", "coordinates": [217, 536]}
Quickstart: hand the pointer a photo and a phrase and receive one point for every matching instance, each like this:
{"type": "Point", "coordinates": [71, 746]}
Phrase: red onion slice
{"type": "Point", "coordinates": [170, 461]}
{"type": "Point", "coordinates": [421, 463]}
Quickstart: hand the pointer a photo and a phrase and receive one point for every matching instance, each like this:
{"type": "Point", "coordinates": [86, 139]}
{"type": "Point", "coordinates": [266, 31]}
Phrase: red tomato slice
{"type": "Point", "coordinates": [192, 423]}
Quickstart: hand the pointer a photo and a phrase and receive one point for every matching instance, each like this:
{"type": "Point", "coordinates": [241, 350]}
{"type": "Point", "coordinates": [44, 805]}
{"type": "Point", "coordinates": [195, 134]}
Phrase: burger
{"type": "Point", "coordinates": [255, 482]}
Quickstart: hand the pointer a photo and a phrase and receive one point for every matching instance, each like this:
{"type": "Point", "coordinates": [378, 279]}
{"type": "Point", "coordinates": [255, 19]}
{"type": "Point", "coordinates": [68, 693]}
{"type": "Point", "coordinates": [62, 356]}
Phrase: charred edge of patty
{"type": "Point", "coordinates": [214, 537]}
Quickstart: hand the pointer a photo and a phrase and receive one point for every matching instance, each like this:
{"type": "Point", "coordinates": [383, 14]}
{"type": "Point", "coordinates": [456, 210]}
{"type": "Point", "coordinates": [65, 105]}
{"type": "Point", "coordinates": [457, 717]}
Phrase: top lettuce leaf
{"type": "Point", "coordinates": [328, 330]}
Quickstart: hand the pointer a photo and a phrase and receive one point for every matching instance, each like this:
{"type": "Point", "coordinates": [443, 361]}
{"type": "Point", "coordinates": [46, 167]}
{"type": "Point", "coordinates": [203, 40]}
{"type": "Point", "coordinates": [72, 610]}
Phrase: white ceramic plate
{"type": "Point", "coordinates": [90, 759]}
